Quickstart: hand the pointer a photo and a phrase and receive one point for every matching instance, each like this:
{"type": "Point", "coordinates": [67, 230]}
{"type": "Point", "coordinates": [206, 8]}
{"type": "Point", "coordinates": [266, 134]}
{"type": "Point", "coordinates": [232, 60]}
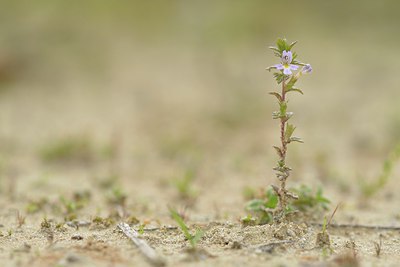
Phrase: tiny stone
{"type": "Point", "coordinates": [76, 237]}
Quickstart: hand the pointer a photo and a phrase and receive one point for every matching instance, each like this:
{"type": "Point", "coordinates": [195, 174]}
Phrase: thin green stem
{"type": "Point", "coordinates": [282, 189]}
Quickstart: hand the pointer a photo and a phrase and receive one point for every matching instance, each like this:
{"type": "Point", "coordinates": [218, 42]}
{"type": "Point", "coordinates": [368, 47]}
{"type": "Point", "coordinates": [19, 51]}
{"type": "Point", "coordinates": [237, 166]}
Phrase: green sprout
{"type": "Point", "coordinates": [287, 73]}
{"type": "Point", "coordinates": [35, 206]}
{"type": "Point", "coordinates": [69, 149]}
{"type": "Point", "coordinates": [45, 224]}
{"type": "Point", "coordinates": [193, 239]}
{"type": "Point", "coordinates": [323, 239]}
{"type": "Point", "coordinates": [141, 228]}
{"type": "Point", "coordinates": [117, 196]}
{"type": "Point", "coordinates": [184, 185]}
{"type": "Point", "coordinates": [263, 208]}
{"type": "Point", "coordinates": [72, 206]}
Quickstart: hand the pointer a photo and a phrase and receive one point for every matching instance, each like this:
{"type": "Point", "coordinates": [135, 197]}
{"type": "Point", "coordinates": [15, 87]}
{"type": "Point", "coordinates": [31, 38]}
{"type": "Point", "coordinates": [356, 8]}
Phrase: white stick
{"type": "Point", "coordinates": [148, 252]}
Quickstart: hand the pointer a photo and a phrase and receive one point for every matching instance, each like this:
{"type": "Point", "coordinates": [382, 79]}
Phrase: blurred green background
{"type": "Point", "coordinates": [161, 85]}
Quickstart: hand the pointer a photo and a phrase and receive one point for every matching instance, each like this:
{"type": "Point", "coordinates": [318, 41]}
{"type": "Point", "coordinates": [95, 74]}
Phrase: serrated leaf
{"type": "Point", "coordinates": [277, 95]}
{"type": "Point", "coordinates": [282, 45]}
{"type": "Point", "coordinates": [279, 77]}
{"type": "Point", "coordinates": [289, 131]}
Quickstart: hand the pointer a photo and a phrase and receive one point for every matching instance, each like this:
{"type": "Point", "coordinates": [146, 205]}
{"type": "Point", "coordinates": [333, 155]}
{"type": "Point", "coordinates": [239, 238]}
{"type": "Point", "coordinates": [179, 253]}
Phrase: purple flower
{"type": "Point", "coordinates": [287, 68]}
{"type": "Point", "coordinates": [307, 69]}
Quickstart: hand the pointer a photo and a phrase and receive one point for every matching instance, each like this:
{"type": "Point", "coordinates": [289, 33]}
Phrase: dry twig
{"type": "Point", "coordinates": [148, 252]}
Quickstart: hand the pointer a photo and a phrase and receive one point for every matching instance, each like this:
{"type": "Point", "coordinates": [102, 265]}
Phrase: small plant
{"type": "Point", "coordinates": [36, 206]}
{"type": "Point", "coordinates": [264, 206]}
{"type": "Point", "coordinates": [117, 196]}
{"type": "Point", "coordinates": [45, 224]}
{"type": "Point", "coordinates": [323, 239]}
{"type": "Point", "coordinates": [75, 149]}
{"type": "Point", "coordinates": [284, 75]}
{"type": "Point", "coordinates": [193, 239]}
{"type": "Point", "coordinates": [308, 200]}
{"type": "Point", "coordinates": [141, 228]}
{"type": "Point", "coordinates": [184, 185]}
{"type": "Point", "coordinates": [103, 222]}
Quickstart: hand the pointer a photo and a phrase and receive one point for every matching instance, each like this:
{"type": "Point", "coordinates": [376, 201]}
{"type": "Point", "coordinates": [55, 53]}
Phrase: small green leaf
{"type": "Point", "coordinates": [279, 151]}
{"type": "Point", "coordinates": [294, 89]}
{"type": "Point", "coordinates": [255, 205]}
{"type": "Point", "coordinates": [289, 131]}
{"type": "Point", "coordinates": [291, 83]}
{"type": "Point", "coordinates": [178, 219]}
{"type": "Point", "coordinates": [282, 45]}
{"type": "Point", "coordinates": [282, 108]}
{"type": "Point", "coordinates": [280, 77]}
{"type": "Point", "coordinates": [196, 238]}
{"type": "Point", "coordinates": [276, 51]}
{"type": "Point", "coordinates": [292, 44]}
{"type": "Point", "coordinates": [277, 95]}
{"type": "Point", "coordinates": [272, 200]}
{"type": "Point", "coordinates": [295, 139]}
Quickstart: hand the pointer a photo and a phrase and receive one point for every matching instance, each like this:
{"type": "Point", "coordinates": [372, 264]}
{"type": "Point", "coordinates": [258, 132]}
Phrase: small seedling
{"type": "Point", "coordinates": [78, 149]}
{"type": "Point", "coordinates": [263, 207]}
{"type": "Point", "coordinates": [117, 196]}
{"type": "Point", "coordinates": [308, 200]}
{"type": "Point", "coordinates": [248, 221]}
{"type": "Point", "coordinates": [193, 239]}
{"type": "Point", "coordinates": [141, 228]}
{"type": "Point", "coordinates": [45, 224]}
{"type": "Point", "coordinates": [103, 222]}
{"type": "Point", "coordinates": [323, 240]}
{"type": "Point", "coordinates": [184, 185]}
{"type": "Point", "coordinates": [70, 208]}
{"type": "Point", "coordinates": [284, 75]}
{"type": "Point", "coordinates": [36, 206]}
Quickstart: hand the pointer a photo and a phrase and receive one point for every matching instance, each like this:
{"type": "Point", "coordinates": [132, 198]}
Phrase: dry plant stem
{"type": "Point", "coordinates": [148, 252]}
